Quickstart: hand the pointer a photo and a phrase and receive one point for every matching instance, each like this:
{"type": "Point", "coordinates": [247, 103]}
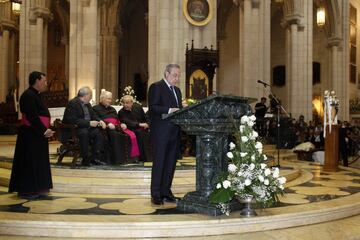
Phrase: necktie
{"type": "Point", "coordinates": [173, 90]}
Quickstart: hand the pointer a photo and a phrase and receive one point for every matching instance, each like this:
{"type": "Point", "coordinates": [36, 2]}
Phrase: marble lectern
{"type": "Point", "coordinates": [212, 121]}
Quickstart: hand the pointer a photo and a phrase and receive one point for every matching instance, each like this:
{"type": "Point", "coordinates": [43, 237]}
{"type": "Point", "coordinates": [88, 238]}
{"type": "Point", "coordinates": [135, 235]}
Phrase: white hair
{"type": "Point", "coordinates": [105, 94]}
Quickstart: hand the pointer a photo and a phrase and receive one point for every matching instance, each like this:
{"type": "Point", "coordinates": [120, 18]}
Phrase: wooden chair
{"type": "Point", "coordinates": [66, 134]}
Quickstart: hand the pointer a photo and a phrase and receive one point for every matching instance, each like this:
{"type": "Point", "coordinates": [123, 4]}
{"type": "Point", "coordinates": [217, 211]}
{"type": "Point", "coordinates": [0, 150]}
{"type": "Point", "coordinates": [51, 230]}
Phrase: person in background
{"type": "Point", "coordinates": [133, 115]}
{"type": "Point", "coordinates": [89, 125]}
{"type": "Point", "coordinates": [164, 98]}
{"type": "Point", "coordinates": [260, 111]}
{"type": "Point", "coordinates": [109, 115]}
{"type": "Point", "coordinates": [31, 174]}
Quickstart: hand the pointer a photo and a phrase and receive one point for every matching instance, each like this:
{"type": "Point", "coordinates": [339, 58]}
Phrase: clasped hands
{"type": "Point", "coordinates": [100, 123]}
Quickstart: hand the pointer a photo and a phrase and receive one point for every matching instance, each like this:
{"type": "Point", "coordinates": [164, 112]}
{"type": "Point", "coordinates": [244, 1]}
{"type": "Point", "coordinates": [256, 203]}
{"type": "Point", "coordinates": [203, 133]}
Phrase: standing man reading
{"type": "Point", "coordinates": [164, 98]}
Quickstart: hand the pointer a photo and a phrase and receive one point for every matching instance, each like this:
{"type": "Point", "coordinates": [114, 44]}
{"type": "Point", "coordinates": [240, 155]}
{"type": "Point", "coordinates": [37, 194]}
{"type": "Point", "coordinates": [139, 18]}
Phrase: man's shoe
{"type": "Point", "coordinates": [98, 162]}
{"type": "Point", "coordinates": [170, 199]}
{"type": "Point", "coordinates": [156, 201]}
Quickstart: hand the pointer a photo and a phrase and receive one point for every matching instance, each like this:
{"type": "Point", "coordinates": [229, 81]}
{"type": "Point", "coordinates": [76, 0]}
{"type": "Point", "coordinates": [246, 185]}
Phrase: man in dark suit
{"type": "Point", "coordinates": [164, 98]}
{"type": "Point", "coordinates": [79, 112]}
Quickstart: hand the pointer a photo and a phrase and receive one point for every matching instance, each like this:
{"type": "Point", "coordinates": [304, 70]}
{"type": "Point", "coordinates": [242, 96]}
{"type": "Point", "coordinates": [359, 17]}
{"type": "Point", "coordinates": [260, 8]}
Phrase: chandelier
{"type": "Point", "coordinates": [320, 16]}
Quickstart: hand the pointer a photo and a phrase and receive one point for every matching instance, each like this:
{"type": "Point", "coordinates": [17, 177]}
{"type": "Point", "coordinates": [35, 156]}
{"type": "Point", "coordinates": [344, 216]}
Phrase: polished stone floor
{"type": "Point", "coordinates": [120, 194]}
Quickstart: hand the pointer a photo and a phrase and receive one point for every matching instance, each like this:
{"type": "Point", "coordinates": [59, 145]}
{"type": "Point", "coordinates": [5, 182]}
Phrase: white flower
{"type": "Point", "coordinates": [261, 178]}
{"type": "Point", "coordinates": [230, 155]}
{"type": "Point", "coordinates": [243, 154]}
{"type": "Point", "coordinates": [226, 184]}
{"type": "Point", "coordinates": [218, 186]}
{"type": "Point", "coordinates": [247, 182]}
{"type": "Point", "coordinates": [282, 180]}
{"type": "Point", "coordinates": [240, 173]}
{"type": "Point", "coordinates": [252, 118]}
{"type": "Point", "coordinates": [244, 119]}
{"type": "Point", "coordinates": [264, 157]}
{"type": "Point", "coordinates": [251, 123]}
{"type": "Point", "coordinates": [266, 182]}
{"type": "Point", "coordinates": [232, 145]}
{"type": "Point", "coordinates": [252, 166]}
{"type": "Point", "coordinates": [253, 157]}
{"type": "Point", "coordinates": [276, 172]}
{"type": "Point", "coordinates": [232, 168]}
{"type": "Point", "coordinates": [267, 172]}
{"type": "Point", "coordinates": [263, 165]}
{"type": "Point", "coordinates": [254, 135]}
{"type": "Point", "coordinates": [258, 145]}
{"type": "Point", "coordinates": [244, 139]}
{"type": "Point", "coordinates": [241, 128]}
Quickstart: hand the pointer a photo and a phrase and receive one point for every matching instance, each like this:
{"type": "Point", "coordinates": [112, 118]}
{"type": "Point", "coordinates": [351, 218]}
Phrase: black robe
{"type": "Point", "coordinates": [31, 172]}
{"type": "Point", "coordinates": [117, 143]}
{"type": "Point", "coordinates": [132, 119]}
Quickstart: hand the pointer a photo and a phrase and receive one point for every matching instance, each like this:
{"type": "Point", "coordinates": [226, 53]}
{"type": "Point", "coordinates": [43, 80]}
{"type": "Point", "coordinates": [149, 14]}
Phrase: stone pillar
{"type": "Point", "coordinates": [169, 31]}
{"type": "Point", "coordinates": [8, 27]}
{"type": "Point", "coordinates": [33, 39]}
{"type": "Point", "coordinates": [4, 77]}
{"type": "Point", "coordinates": [83, 46]}
{"type": "Point", "coordinates": [298, 20]}
{"type": "Point", "coordinates": [254, 42]}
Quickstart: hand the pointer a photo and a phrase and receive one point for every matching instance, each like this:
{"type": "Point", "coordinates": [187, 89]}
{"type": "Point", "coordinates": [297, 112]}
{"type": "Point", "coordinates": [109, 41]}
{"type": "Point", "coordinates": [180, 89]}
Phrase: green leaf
{"type": "Point", "coordinates": [221, 195]}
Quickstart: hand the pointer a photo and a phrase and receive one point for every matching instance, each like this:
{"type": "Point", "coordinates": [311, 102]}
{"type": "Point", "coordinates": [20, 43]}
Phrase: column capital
{"type": "Point", "coordinates": [40, 12]}
{"type": "Point", "coordinates": [334, 41]}
{"type": "Point", "coordinates": [254, 3]}
{"type": "Point", "coordinates": [85, 3]}
{"type": "Point", "coordinates": [8, 25]}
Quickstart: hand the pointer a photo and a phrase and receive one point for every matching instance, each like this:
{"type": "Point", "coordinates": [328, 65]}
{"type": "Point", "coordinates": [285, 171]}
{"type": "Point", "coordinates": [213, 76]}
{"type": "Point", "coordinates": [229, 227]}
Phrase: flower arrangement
{"type": "Point", "coordinates": [247, 174]}
{"type": "Point", "coordinates": [128, 90]}
{"type": "Point", "coordinates": [331, 108]}
{"type": "Point", "coordinates": [190, 101]}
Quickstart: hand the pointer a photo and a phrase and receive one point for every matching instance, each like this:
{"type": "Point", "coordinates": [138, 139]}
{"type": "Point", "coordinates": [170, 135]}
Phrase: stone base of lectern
{"type": "Point", "coordinates": [194, 202]}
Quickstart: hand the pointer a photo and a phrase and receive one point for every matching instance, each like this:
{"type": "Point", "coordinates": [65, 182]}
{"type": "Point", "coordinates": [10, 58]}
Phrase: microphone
{"type": "Point", "coordinates": [262, 82]}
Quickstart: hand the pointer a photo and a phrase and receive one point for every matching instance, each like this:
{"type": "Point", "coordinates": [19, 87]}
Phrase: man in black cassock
{"type": "Point", "coordinates": [79, 112]}
{"type": "Point", "coordinates": [31, 174]}
{"type": "Point", "coordinates": [118, 136]}
{"type": "Point", "coordinates": [133, 115]}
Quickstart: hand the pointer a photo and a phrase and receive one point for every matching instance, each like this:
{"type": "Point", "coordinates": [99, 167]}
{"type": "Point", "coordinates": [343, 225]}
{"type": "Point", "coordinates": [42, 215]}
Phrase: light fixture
{"type": "Point", "coordinates": [4, 1]}
{"type": "Point", "coordinates": [320, 16]}
{"type": "Point", "coordinates": [16, 7]}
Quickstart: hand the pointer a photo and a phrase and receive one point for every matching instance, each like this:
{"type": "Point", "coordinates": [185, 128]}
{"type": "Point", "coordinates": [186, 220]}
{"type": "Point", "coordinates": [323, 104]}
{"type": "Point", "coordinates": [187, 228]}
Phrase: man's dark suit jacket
{"type": "Point", "coordinates": [74, 113]}
{"type": "Point", "coordinates": [164, 136]}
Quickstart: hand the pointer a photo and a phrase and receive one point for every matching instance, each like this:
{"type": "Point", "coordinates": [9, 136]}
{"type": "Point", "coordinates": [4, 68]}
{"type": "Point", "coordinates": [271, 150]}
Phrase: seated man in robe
{"type": "Point", "coordinates": [79, 112]}
{"type": "Point", "coordinates": [109, 115]}
{"type": "Point", "coordinates": [133, 115]}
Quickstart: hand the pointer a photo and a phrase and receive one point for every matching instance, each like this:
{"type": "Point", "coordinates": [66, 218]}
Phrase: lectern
{"type": "Point", "coordinates": [212, 120]}
{"type": "Point", "coordinates": [331, 149]}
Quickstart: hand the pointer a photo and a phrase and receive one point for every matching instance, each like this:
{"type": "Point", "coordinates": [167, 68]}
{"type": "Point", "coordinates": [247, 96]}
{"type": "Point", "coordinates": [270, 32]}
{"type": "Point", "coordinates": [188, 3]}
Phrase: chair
{"type": "Point", "coordinates": [66, 134]}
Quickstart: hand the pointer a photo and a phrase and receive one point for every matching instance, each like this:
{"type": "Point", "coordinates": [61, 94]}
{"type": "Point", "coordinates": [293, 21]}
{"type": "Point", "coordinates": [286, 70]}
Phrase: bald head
{"type": "Point", "coordinates": [85, 94]}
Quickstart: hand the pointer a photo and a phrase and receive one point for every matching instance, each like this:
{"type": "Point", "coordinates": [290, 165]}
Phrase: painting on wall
{"type": "Point", "coordinates": [198, 12]}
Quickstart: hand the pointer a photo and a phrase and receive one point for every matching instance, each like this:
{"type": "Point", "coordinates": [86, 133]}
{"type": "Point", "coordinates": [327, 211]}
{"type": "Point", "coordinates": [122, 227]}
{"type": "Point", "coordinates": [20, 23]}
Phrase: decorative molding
{"type": "Point", "coordinates": [40, 12]}
{"type": "Point", "coordinates": [8, 25]}
{"type": "Point", "coordinates": [86, 3]}
{"type": "Point", "coordinates": [334, 41]}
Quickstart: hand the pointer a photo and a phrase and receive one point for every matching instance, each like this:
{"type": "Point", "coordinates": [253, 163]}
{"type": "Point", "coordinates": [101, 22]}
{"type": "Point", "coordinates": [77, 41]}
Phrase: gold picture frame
{"type": "Point", "coordinates": [198, 12]}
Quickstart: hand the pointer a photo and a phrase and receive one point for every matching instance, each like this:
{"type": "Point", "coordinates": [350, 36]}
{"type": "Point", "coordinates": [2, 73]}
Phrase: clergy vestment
{"type": "Point", "coordinates": [31, 172]}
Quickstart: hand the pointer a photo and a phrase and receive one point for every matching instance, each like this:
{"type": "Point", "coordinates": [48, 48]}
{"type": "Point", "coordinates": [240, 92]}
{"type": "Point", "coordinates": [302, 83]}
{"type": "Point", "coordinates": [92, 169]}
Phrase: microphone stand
{"type": "Point", "coordinates": [279, 108]}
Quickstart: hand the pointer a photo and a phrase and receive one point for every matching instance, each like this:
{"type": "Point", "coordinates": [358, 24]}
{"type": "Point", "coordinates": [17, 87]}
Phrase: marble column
{"type": "Point", "coordinates": [4, 77]}
{"type": "Point", "coordinates": [83, 47]}
{"type": "Point", "coordinates": [169, 31]}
